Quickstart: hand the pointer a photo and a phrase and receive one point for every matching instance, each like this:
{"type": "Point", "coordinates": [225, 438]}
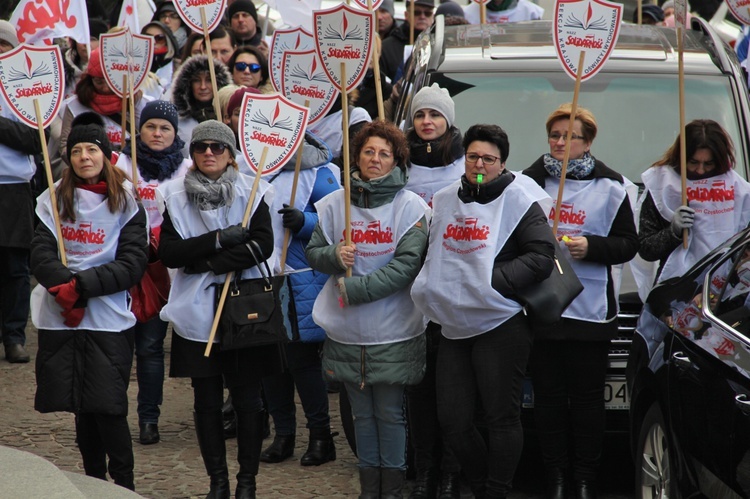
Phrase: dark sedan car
{"type": "Point", "coordinates": [689, 379]}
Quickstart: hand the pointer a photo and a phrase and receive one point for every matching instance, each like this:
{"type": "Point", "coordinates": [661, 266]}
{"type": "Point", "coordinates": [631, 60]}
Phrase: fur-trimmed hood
{"type": "Point", "coordinates": [182, 95]}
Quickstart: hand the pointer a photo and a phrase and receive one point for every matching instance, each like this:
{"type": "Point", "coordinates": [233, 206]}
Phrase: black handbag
{"type": "Point", "coordinates": [545, 302]}
{"type": "Point", "coordinates": [257, 311]}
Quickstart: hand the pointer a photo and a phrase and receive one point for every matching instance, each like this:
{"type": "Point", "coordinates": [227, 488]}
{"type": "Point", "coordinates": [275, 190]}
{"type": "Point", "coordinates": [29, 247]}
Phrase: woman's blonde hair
{"type": "Point", "coordinates": [585, 116]}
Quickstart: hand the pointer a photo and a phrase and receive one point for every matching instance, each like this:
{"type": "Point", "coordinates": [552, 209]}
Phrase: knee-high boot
{"type": "Point", "coordinates": [249, 444]}
{"type": "Point", "coordinates": [209, 427]}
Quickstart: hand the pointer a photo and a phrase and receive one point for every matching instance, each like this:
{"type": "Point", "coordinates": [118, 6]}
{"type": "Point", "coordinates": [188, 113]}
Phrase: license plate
{"type": "Point", "coordinates": [616, 397]}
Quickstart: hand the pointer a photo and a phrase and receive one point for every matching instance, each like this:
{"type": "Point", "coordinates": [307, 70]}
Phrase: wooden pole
{"type": "Point", "coordinates": [568, 140]}
{"type": "Point", "coordinates": [292, 198]}
{"type": "Point", "coordinates": [640, 12]}
{"type": "Point", "coordinates": [683, 152]}
{"type": "Point", "coordinates": [347, 173]}
{"type": "Point", "coordinates": [211, 70]}
{"type": "Point", "coordinates": [411, 23]}
{"type": "Point", "coordinates": [376, 66]}
{"type": "Point", "coordinates": [230, 275]}
{"type": "Point", "coordinates": [482, 13]}
{"type": "Point", "coordinates": [133, 147]}
{"type": "Point", "coordinates": [50, 183]}
{"type": "Point", "coordinates": [124, 120]}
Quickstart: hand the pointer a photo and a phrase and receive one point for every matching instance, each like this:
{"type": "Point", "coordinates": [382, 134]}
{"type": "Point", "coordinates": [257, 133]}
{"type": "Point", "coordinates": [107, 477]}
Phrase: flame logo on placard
{"type": "Point", "coordinates": [29, 73]}
{"type": "Point", "coordinates": [599, 24]}
{"type": "Point", "coordinates": [273, 121]}
{"type": "Point", "coordinates": [296, 44]}
{"type": "Point", "coordinates": [342, 34]}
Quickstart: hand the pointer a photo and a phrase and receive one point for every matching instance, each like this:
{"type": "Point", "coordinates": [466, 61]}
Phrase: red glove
{"type": "Point", "coordinates": [73, 317]}
{"type": "Point", "coordinates": [65, 294]}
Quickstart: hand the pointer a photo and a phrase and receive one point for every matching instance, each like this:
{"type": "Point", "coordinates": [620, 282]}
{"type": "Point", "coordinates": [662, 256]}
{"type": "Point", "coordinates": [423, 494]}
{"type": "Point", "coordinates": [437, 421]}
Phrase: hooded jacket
{"type": "Point", "coordinates": [182, 92]}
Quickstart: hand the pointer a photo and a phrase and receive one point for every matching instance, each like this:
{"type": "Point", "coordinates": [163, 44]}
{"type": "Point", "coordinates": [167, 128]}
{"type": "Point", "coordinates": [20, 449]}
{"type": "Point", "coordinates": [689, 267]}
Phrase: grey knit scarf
{"type": "Point", "coordinates": [207, 194]}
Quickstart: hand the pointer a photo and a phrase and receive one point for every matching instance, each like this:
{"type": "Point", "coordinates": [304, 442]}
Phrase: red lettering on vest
{"type": "Point", "coordinates": [467, 229]}
{"type": "Point", "coordinates": [718, 192]}
{"type": "Point", "coordinates": [373, 234]}
{"type": "Point", "coordinates": [84, 233]}
{"type": "Point", "coordinates": [147, 192]}
{"type": "Point", "coordinates": [568, 215]}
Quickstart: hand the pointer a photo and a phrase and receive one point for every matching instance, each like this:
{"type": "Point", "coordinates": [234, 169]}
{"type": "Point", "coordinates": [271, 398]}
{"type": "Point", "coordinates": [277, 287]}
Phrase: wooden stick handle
{"type": "Point", "coordinates": [133, 147]}
{"type": "Point", "coordinates": [124, 120]}
{"type": "Point", "coordinates": [347, 173]}
{"type": "Point", "coordinates": [211, 70]}
{"type": "Point", "coordinates": [683, 147]}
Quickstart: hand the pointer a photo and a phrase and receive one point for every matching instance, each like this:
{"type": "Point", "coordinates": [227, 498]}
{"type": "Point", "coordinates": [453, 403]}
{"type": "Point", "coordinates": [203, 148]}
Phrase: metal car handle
{"type": "Point", "coordinates": [742, 403]}
{"type": "Point", "coordinates": [681, 360]}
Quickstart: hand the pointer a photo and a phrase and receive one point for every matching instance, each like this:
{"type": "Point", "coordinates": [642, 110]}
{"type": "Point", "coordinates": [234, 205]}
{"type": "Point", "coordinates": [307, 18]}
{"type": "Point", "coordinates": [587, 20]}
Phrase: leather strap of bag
{"type": "Point", "coordinates": [253, 246]}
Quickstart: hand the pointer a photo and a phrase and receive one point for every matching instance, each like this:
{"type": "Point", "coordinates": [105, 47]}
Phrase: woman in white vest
{"type": "Point", "coordinates": [488, 238]}
{"type": "Point", "coordinates": [202, 237]}
{"type": "Point", "coordinates": [375, 342]}
{"type": "Point", "coordinates": [436, 153]}
{"type": "Point", "coordinates": [159, 156]}
{"type": "Point", "coordinates": [93, 94]}
{"type": "Point", "coordinates": [718, 200]}
{"type": "Point", "coordinates": [82, 310]}
{"type": "Point", "coordinates": [165, 61]}
{"type": "Point", "coordinates": [569, 360]}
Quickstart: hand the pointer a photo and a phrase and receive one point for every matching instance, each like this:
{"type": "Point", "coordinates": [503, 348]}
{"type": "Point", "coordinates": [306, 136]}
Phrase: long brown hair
{"type": "Point", "coordinates": [116, 194]}
{"type": "Point", "coordinates": [702, 134]}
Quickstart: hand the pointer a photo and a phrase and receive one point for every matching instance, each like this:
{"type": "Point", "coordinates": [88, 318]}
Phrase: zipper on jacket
{"type": "Point", "coordinates": [362, 367]}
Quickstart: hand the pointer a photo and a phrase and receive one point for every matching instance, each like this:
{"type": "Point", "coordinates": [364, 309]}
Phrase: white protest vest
{"type": "Point", "coordinates": [523, 11]}
{"type": "Point", "coordinates": [589, 208]}
{"type": "Point", "coordinates": [425, 181]}
{"type": "Point", "coordinates": [282, 184]}
{"type": "Point", "coordinates": [722, 208]}
{"type": "Point", "coordinates": [454, 287]}
{"type": "Point", "coordinates": [90, 241]}
{"type": "Point", "coordinates": [147, 190]}
{"type": "Point", "coordinates": [376, 232]}
{"type": "Point", "coordinates": [328, 129]}
{"type": "Point", "coordinates": [15, 166]}
{"type": "Point", "coordinates": [192, 298]}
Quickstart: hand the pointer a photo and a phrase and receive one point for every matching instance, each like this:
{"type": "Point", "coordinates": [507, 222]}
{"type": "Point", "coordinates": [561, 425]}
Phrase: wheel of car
{"type": "Point", "coordinates": [653, 471]}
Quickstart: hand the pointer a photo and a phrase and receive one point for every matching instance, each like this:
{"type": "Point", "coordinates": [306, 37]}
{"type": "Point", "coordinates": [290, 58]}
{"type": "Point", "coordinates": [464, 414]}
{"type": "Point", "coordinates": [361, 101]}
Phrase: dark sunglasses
{"type": "Point", "coordinates": [216, 148]}
{"type": "Point", "coordinates": [160, 38]}
{"type": "Point", "coordinates": [254, 67]}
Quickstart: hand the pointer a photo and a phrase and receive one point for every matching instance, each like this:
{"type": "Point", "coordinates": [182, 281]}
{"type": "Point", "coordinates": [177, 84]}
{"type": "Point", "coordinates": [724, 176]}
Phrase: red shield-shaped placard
{"type": "Point", "coordinates": [190, 12]}
{"type": "Point", "coordinates": [344, 35]}
{"type": "Point", "coordinates": [363, 4]}
{"type": "Point", "coordinates": [740, 9]}
{"type": "Point", "coordinates": [297, 39]}
{"type": "Point", "coordinates": [30, 73]}
{"type": "Point", "coordinates": [586, 25]}
{"type": "Point", "coordinates": [270, 121]}
{"type": "Point", "coordinates": [125, 52]}
{"type": "Point", "coordinates": [304, 78]}
{"type": "Point", "coordinates": [680, 12]}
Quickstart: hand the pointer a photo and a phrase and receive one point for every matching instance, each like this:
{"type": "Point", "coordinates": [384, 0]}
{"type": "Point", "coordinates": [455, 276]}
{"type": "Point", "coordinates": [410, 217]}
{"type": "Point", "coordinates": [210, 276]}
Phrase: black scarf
{"type": "Point", "coordinates": [430, 154]}
{"type": "Point", "coordinates": [157, 165]}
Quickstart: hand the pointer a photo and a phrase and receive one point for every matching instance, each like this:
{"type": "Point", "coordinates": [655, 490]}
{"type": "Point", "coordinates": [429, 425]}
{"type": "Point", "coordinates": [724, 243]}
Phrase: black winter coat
{"type": "Point", "coordinates": [83, 370]}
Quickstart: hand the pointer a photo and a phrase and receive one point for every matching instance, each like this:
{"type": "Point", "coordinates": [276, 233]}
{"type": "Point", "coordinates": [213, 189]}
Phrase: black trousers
{"type": "Point", "coordinates": [568, 379]}
{"type": "Point", "coordinates": [101, 436]}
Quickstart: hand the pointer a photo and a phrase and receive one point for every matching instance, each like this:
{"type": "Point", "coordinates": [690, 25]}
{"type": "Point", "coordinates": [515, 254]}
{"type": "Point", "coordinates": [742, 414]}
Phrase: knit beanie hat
{"type": "Point", "coordinates": [387, 6]}
{"type": "Point", "coordinates": [236, 99]}
{"type": "Point", "coordinates": [160, 109]}
{"type": "Point", "coordinates": [242, 6]}
{"type": "Point", "coordinates": [8, 33]}
{"type": "Point", "coordinates": [435, 98]}
{"type": "Point", "coordinates": [216, 131]}
{"type": "Point", "coordinates": [89, 127]}
{"type": "Point", "coordinates": [94, 69]}
{"type": "Point", "coordinates": [449, 9]}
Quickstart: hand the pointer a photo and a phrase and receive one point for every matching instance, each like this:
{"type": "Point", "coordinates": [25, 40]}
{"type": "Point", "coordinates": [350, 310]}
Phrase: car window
{"type": "Point", "coordinates": [730, 291]}
{"type": "Point", "coordinates": [637, 114]}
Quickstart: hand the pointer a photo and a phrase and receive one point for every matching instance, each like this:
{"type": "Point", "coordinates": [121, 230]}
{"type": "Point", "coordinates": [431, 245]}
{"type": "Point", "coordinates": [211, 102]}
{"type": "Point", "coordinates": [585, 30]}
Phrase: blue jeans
{"type": "Point", "coordinates": [15, 294]}
{"type": "Point", "coordinates": [149, 368]}
{"type": "Point", "coordinates": [379, 425]}
{"type": "Point", "coordinates": [488, 368]}
{"type": "Point", "coordinates": [306, 373]}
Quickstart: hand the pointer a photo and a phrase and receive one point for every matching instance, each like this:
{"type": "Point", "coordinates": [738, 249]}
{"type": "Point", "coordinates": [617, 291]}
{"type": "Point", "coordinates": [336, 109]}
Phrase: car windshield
{"type": "Point", "coordinates": [637, 115]}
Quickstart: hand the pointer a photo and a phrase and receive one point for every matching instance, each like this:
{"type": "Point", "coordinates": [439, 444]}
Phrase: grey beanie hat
{"type": "Point", "coordinates": [435, 98]}
{"type": "Point", "coordinates": [387, 6]}
{"type": "Point", "coordinates": [8, 33]}
{"type": "Point", "coordinates": [216, 131]}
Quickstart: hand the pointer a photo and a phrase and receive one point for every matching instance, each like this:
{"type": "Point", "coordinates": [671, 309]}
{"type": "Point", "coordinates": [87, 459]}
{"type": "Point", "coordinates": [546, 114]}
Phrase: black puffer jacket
{"type": "Point", "coordinates": [392, 52]}
{"type": "Point", "coordinates": [82, 370]}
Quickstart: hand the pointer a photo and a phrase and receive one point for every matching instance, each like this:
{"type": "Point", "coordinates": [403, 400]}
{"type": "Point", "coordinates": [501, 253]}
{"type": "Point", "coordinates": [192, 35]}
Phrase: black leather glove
{"type": "Point", "coordinates": [233, 236]}
{"type": "Point", "coordinates": [292, 218]}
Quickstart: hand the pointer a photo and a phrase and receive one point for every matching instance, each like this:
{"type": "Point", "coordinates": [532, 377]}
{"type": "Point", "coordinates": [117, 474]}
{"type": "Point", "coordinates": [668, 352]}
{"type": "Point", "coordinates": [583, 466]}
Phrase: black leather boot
{"type": "Point", "coordinates": [369, 483]}
{"type": "Point", "coordinates": [281, 449]}
{"type": "Point", "coordinates": [450, 486]}
{"type": "Point", "coordinates": [209, 428]}
{"type": "Point", "coordinates": [425, 486]}
{"type": "Point", "coordinates": [391, 483]}
{"type": "Point", "coordinates": [585, 489]}
{"type": "Point", "coordinates": [556, 486]}
{"type": "Point", "coordinates": [320, 449]}
{"type": "Point", "coordinates": [249, 443]}
{"type": "Point", "coordinates": [230, 418]}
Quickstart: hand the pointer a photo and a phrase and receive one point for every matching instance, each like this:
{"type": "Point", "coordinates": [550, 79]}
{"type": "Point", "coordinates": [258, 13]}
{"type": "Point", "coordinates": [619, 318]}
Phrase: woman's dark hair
{"type": "Point", "coordinates": [255, 51]}
{"type": "Point", "coordinates": [116, 193]}
{"type": "Point", "coordinates": [387, 131]}
{"type": "Point", "coordinates": [488, 133]}
{"type": "Point", "coordinates": [444, 145]}
{"type": "Point", "coordinates": [702, 134]}
{"type": "Point", "coordinates": [85, 89]}
{"type": "Point", "coordinates": [185, 55]}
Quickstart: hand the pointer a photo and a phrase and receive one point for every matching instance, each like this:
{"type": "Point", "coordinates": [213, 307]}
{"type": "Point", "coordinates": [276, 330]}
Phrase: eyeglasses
{"type": "Point", "coordinates": [169, 15]}
{"type": "Point", "coordinates": [383, 155]}
{"type": "Point", "coordinates": [160, 38]}
{"type": "Point", "coordinates": [422, 13]}
{"type": "Point", "coordinates": [254, 67]}
{"type": "Point", "coordinates": [554, 137]}
{"type": "Point", "coordinates": [487, 160]}
{"type": "Point", "coordinates": [216, 147]}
